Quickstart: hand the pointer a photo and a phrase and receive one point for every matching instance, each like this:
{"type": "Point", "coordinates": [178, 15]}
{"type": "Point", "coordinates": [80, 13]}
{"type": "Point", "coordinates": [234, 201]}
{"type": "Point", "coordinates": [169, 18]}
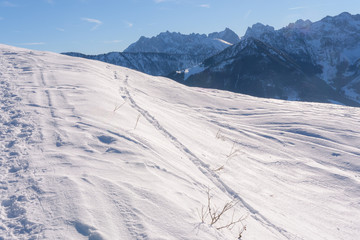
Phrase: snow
{"type": "Point", "coordinates": [350, 91]}
{"type": "Point", "coordinates": [351, 55]}
{"type": "Point", "coordinates": [329, 72]}
{"type": "Point", "coordinates": [191, 44]}
{"type": "Point", "coordinates": [332, 43]}
{"type": "Point", "coordinates": [95, 151]}
{"type": "Point", "coordinates": [191, 71]}
{"type": "Point", "coordinates": [223, 41]}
